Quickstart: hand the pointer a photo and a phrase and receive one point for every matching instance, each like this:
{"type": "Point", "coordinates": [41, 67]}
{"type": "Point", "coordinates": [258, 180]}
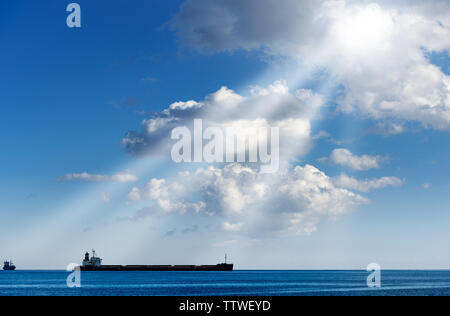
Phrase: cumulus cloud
{"type": "Point", "coordinates": [118, 177]}
{"type": "Point", "coordinates": [248, 202]}
{"type": "Point", "coordinates": [265, 107]}
{"type": "Point", "coordinates": [345, 157]}
{"type": "Point", "coordinates": [165, 195]}
{"type": "Point", "coordinates": [344, 181]}
{"type": "Point", "coordinates": [376, 49]}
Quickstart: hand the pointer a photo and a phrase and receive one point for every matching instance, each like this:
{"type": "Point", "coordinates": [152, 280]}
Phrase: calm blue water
{"type": "Point", "coordinates": [258, 283]}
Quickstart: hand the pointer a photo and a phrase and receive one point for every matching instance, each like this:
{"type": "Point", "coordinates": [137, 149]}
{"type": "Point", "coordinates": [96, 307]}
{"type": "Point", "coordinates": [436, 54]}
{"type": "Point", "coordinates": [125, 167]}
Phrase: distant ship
{"type": "Point", "coordinates": [9, 266]}
{"type": "Point", "coordinates": [94, 263]}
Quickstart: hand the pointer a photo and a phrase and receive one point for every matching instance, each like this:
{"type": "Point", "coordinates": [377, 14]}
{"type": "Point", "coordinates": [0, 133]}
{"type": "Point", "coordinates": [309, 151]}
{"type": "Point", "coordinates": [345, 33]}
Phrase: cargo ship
{"type": "Point", "coordinates": [94, 263]}
{"type": "Point", "coordinates": [9, 266]}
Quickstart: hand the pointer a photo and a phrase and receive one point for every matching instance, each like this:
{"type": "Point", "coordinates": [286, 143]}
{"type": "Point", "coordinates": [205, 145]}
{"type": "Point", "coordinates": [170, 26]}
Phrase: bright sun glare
{"type": "Point", "coordinates": [364, 29]}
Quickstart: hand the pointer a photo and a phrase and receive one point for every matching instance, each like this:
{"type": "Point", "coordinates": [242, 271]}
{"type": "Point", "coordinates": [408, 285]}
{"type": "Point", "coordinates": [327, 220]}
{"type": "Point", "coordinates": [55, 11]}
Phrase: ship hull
{"type": "Point", "coordinates": [219, 267]}
{"type": "Point", "coordinates": [9, 269]}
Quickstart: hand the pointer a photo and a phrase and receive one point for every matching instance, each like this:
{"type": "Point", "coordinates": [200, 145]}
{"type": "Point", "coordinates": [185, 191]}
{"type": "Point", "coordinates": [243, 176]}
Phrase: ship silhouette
{"type": "Point", "coordinates": [9, 266]}
{"type": "Point", "coordinates": [94, 263]}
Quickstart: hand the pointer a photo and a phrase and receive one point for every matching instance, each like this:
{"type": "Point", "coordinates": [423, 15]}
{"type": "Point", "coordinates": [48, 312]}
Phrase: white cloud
{"type": "Point", "coordinates": [124, 177]}
{"type": "Point", "coordinates": [426, 186]}
{"type": "Point", "coordinates": [376, 49]}
{"type": "Point", "coordinates": [118, 177]}
{"type": "Point", "coordinates": [232, 227]}
{"type": "Point", "coordinates": [134, 194]}
{"type": "Point", "coordinates": [388, 128]}
{"type": "Point", "coordinates": [290, 202]}
{"type": "Point", "coordinates": [322, 134]}
{"type": "Point", "coordinates": [367, 185]}
{"type": "Point", "coordinates": [272, 106]}
{"type": "Point", "coordinates": [344, 157]}
{"type": "Point", "coordinates": [327, 136]}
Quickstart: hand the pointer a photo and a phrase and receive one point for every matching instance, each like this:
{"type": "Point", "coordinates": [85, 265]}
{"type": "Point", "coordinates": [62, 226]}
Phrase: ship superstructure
{"type": "Point", "coordinates": [9, 266]}
{"type": "Point", "coordinates": [94, 263]}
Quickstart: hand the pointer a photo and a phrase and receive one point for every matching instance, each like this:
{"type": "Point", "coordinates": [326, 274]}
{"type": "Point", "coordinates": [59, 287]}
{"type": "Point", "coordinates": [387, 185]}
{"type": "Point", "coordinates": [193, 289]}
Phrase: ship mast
{"type": "Point", "coordinates": [225, 258]}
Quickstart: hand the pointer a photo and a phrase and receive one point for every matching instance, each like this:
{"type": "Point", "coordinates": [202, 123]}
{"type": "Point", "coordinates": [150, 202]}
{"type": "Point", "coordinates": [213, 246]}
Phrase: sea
{"type": "Point", "coordinates": [236, 283]}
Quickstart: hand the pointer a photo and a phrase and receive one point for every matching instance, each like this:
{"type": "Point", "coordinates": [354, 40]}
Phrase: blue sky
{"type": "Point", "coordinates": [70, 96]}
